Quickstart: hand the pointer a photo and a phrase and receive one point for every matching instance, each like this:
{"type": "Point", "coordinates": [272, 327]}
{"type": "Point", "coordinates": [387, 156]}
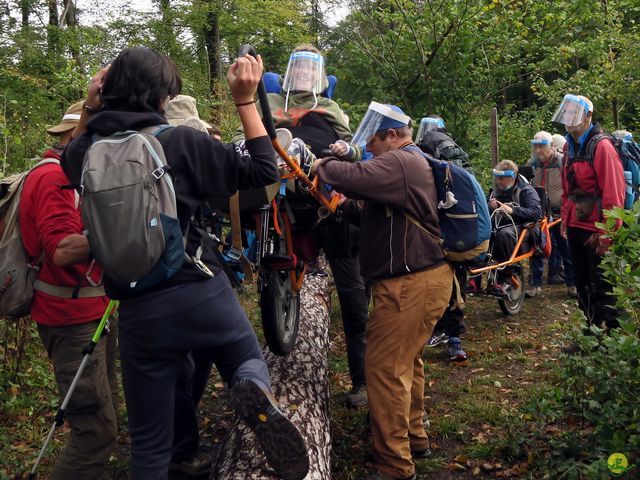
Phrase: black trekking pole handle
{"type": "Point", "coordinates": [267, 119]}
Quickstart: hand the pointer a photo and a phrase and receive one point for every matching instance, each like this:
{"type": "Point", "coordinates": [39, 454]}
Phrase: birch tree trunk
{"type": "Point", "coordinates": [300, 382]}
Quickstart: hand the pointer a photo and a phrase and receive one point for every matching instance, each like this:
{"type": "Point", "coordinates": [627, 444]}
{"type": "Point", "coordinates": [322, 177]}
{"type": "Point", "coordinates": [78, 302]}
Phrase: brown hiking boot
{"type": "Point", "coordinates": [196, 467]}
{"type": "Point", "coordinates": [357, 397]}
{"type": "Point", "coordinates": [280, 439]}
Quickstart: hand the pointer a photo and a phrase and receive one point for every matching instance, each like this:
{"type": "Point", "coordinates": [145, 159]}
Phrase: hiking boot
{"type": "Point", "coordinates": [532, 292]}
{"type": "Point", "coordinates": [383, 476]}
{"type": "Point", "coordinates": [357, 397]}
{"type": "Point", "coordinates": [437, 339]}
{"type": "Point", "coordinates": [455, 351]}
{"type": "Point", "coordinates": [421, 454]}
{"type": "Point", "coordinates": [280, 439]}
{"type": "Point", "coordinates": [572, 292]}
{"type": "Point", "coordinates": [196, 467]}
{"type": "Point", "coordinates": [555, 279]}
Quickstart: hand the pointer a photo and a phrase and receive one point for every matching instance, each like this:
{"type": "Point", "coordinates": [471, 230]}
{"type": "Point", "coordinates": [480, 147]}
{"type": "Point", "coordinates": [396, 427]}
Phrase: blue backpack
{"type": "Point", "coordinates": [629, 153]}
{"type": "Point", "coordinates": [465, 223]}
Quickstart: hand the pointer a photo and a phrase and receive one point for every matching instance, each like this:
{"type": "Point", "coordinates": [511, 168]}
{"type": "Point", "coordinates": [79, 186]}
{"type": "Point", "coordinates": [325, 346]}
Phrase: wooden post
{"type": "Point", "coordinates": [495, 153]}
{"type": "Point", "coordinates": [300, 382]}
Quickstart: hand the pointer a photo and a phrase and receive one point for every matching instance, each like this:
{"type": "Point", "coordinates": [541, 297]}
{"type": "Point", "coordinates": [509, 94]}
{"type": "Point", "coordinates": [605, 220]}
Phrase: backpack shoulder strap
{"type": "Point", "coordinates": [590, 148]}
{"type": "Point", "coordinates": [44, 161]}
{"type": "Point", "coordinates": [415, 222]}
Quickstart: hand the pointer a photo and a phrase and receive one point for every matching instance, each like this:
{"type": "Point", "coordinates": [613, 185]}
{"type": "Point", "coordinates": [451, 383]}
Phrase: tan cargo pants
{"type": "Point", "coordinates": [405, 311]}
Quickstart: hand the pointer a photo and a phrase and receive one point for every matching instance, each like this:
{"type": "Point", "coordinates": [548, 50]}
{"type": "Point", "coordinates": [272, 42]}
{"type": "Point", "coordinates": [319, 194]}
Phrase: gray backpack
{"type": "Point", "coordinates": [129, 209]}
{"type": "Point", "coordinates": [17, 274]}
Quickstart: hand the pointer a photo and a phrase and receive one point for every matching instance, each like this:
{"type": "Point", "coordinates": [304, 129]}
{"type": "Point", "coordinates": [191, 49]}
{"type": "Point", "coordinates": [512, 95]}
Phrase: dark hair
{"type": "Point", "coordinates": [139, 80]}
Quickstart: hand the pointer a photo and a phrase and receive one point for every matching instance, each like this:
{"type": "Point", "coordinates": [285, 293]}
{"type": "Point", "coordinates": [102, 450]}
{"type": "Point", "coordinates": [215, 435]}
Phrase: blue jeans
{"type": "Point", "coordinates": [157, 331]}
{"type": "Point", "coordinates": [559, 256]}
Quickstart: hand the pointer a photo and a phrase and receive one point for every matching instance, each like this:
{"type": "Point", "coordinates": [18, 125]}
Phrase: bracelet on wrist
{"type": "Point", "coordinates": [245, 103]}
{"type": "Point", "coordinates": [89, 109]}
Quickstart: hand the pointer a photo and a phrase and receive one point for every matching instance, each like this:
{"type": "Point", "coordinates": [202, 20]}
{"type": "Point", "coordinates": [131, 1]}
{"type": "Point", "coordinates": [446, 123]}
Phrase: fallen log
{"type": "Point", "coordinates": [300, 382]}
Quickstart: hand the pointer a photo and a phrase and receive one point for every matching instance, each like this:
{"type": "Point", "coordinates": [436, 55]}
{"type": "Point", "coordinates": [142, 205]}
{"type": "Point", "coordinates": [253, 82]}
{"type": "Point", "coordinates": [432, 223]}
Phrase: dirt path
{"type": "Point", "coordinates": [475, 408]}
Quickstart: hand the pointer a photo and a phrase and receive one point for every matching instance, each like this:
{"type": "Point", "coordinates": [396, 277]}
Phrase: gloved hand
{"type": "Point", "coordinates": [342, 149]}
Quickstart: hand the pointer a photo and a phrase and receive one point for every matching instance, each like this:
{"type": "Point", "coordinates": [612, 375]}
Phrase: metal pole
{"type": "Point", "coordinates": [495, 152]}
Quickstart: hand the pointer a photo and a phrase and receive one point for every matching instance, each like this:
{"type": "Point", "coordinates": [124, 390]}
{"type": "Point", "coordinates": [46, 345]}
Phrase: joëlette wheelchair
{"type": "Point", "coordinates": [282, 215]}
{"type": "Point", "coordinates": [534, 239]}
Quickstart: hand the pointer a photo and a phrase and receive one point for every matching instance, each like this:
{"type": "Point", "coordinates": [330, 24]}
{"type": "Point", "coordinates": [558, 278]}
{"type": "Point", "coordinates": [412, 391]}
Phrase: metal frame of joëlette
{"type": "Point", "coordinates": [515, 258]}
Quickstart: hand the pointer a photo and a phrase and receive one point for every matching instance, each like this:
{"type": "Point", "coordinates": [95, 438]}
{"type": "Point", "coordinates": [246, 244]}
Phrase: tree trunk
{"type": "Point", "coordinates": [25, 9]}
{"type": "Point", "coordinates": [301, 385]}
{"type": "Point", "coordinates": [212, 42]}
{"type": "Point", "coordinates": [53, 36]}
{"type": "Point", "coordinates": [614, 111]}
{"type": "Point", "coordinates": [71, 17]}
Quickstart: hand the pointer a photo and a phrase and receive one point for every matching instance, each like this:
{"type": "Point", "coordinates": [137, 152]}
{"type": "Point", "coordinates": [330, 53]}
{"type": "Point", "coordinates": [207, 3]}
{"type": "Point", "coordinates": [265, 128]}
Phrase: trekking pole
{"type": "Point", "coordinates": [87, 351]}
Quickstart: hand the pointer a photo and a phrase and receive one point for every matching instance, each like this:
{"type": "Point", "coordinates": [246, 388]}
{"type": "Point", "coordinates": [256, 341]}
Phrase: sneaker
{"type": "Point", "coordinates": [532, 292]}
{"type": "Point", "coordinates": [437, 339]}
{"type": "Point", "coordinates": [455, 351]}
{"type": "Point", "coordinates": [196, 467]}
{"type": "Point", "coordinates": [280, 439]}
{"type": "Point", "coordinates": [473, 285]}
{"type": "Point", "coordinates": [357, 397]}
{"type": "Point", "coordinates": [572, 292]}
{"type": "Point", "coordinates": [555, 279]}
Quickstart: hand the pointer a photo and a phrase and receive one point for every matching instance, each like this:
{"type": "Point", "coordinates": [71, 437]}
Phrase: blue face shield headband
{"type": "Point", "coordinates": [540, 141]}
{"type": "Point", "coordinates": [575, 99]}
{"type": "Point", "coordinates": [433, 122]}
{"type": "Point", "coordinates": [504, 173]}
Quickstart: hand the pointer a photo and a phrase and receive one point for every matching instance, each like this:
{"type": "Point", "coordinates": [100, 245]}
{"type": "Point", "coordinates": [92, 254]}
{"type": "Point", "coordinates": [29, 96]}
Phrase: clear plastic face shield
{"type": "Point", "coordinates": [572, 111]}
{"type": "Point", "coordinates": [426, 125]}
{"type": "Point", "coordinates": [305, 73]}
{"type": "Point", "coordinates": [541, 149]}
{"type": "Point", "coordinates": [504, 179]}
{"type": "Point", "coordinates": [378, 117]}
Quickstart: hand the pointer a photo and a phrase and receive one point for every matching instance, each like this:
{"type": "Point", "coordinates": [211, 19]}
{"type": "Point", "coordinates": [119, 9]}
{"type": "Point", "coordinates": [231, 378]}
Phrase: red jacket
{"type": "Point", "coordinates": [47, 215]}
{"type": "Point", "coordinates": [604, 177]}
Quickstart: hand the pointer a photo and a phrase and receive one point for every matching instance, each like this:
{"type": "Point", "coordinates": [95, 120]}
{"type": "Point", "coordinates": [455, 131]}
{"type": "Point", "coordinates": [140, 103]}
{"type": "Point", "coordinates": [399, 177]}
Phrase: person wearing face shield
{"type": "Point", "coordinates": [411, 281]}
{"type": "Point", "coordinates": [434, 140]}
{"type": "Point", "coordinates": [321, 124]}
{"type": "Point", "coordinates": [592, 181]}
{"type": "Point", "coordinates": [301, 108]}
{"type": "Point", "coordinates": [512, 203]}
{"type": "Point", "coordinates": [546, 161]}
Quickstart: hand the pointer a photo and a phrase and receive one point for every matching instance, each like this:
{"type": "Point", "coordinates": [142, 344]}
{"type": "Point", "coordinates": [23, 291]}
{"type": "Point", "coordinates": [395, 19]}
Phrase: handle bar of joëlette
{"type": "Point", "coordinates": [515, 258]}
{"type": "Point", "coordinates": [292, 165]}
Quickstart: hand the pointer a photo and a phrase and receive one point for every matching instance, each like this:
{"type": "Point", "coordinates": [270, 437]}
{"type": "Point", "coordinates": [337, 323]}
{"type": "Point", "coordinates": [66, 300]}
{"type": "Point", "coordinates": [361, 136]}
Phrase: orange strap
{"type": "Point", "coordinates": [276, 224]}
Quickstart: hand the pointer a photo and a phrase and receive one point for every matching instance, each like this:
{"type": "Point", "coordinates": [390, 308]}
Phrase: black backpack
{"type": "Point", "coordinates": [442, 147]}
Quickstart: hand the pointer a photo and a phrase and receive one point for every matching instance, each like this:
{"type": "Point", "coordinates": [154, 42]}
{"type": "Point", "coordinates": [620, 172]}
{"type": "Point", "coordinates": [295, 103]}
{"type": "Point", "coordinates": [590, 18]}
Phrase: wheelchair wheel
{"type": "Point", "coordinates": [512, 304]}
{"type": "Point", "coordinates": [280, 311]}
